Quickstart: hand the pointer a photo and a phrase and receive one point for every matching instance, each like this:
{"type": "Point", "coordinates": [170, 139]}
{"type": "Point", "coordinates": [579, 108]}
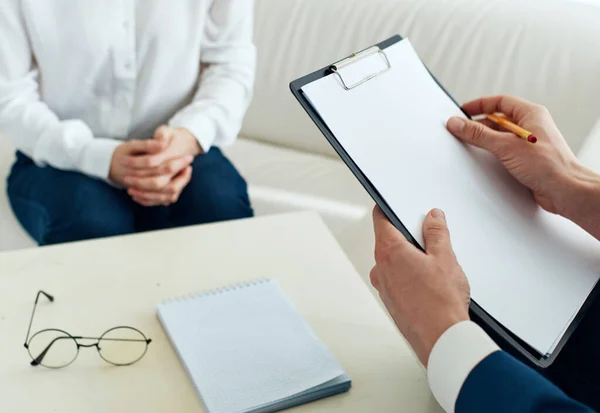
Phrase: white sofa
{"type": "Point", "coordinates": [544, 50]}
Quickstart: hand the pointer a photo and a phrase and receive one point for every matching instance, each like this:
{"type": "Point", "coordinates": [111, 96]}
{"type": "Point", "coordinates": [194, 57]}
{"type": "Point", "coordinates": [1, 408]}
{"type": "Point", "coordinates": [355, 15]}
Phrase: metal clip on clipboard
{"type": "Point", "coordinates": [336, 67]}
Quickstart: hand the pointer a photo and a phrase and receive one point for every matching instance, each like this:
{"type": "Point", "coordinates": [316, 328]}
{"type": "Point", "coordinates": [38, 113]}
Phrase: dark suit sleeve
{"type": "Point", "coordinates": [501, 384]}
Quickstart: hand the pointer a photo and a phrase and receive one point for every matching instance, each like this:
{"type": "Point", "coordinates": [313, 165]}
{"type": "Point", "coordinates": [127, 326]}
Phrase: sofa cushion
{"type": "Point", "coordinates": [282, 180]}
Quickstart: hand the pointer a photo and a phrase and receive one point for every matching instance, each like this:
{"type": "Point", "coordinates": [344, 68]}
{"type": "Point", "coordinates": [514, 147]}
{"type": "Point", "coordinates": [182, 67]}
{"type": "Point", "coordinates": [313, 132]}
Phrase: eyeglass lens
{"type": "Point", "coordinates": [53, 348]}
{"type": "Point", "coordinates": [122, 346]}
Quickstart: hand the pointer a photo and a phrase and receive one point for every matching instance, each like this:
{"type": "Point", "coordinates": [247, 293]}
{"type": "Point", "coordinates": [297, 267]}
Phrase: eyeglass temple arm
{"type": "Point", "coordinates": [38, 360]}
{"type": "Point", "coordinates": [37, 297]}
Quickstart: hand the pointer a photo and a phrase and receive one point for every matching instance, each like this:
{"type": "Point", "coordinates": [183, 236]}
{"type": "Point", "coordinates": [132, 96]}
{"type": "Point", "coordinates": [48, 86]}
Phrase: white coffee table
{"type": "Point", "coordinates": [119, 281]}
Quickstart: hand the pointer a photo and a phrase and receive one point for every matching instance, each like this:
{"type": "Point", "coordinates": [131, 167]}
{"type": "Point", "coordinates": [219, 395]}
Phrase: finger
{"type": "Point", "coordinates": [145, 203]}
{"type": "Point", "coordinates": [384, 229]}
{"type": "Point", "coordinates": [514, 108]}
{"type": "Point", "coordinates": [149, 146]}
{"type": "Point", "coordinates": [179, 183]}
{"type": "Point", "coordinates": [150, 198]}
{"type": "Point", "coordinates": [167, 195]}
{"type": "Point", "coordinates": [492, 125]}
{"type": "Point", "coordinates": [436, 234]}
{"type": "Point", "coordinates": [170, 168]}
{"type": "Point", "coordinates": [389, 242]}
{"type": "Point", "coordinates": [148, 161]}
{"type": "Point", "coordinates": [151, 184]}
{"type": "Point", "coordinates": [478, 134]}
{"type": "Point", "coordinates": [163, 133]}
{"type": "Point", "coordinates": [374, 276]}
{"type": "Point", "coordinates": [175, 166]}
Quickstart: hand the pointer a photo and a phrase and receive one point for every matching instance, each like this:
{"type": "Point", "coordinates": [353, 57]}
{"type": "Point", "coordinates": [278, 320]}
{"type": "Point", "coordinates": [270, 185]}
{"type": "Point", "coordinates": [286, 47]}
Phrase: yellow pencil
{"type": "Point", "coordinates": [517, 130]}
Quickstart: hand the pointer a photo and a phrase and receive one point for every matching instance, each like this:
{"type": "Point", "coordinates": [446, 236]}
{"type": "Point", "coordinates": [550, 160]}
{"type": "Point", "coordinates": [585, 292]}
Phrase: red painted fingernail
{"type": "Point", "coordinates": [532, 139]}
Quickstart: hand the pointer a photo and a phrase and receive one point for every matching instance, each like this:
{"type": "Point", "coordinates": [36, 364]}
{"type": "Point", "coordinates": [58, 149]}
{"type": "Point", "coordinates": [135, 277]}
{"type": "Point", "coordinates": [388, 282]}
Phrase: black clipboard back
{"type": "Point", "coordinates": [505, 339]}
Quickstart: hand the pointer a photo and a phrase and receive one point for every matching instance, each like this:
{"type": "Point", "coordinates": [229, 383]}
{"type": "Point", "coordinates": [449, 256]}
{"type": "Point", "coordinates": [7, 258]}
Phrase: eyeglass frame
{"type": "Point", "coordinates": [36, 361]}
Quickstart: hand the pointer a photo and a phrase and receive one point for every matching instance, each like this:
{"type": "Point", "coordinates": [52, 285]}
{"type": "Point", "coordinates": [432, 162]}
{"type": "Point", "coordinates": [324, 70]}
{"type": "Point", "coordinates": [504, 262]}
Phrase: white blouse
{"type": "Point", "coordinates": [79, 77]}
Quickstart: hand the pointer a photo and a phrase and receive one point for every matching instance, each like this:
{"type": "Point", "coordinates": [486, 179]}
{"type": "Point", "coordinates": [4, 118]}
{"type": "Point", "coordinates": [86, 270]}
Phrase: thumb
{"type": "Point", "coordinates": [475, 133]}
{"type": "Point", "coordinates": [436, 234]}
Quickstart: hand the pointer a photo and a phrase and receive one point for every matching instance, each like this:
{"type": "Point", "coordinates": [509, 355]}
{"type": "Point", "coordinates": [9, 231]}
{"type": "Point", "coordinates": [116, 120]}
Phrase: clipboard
{"type": "Point", "coordinates": [507, 340]}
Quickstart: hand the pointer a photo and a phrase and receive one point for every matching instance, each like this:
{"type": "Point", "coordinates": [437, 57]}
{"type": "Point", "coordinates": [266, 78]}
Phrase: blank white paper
{"type": "Point", "coordinates": [530, 270]}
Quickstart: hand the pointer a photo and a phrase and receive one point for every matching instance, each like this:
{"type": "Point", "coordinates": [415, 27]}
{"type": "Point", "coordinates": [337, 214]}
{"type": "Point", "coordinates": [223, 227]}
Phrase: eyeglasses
{"type": "Point", "coordinates": [55, 349]}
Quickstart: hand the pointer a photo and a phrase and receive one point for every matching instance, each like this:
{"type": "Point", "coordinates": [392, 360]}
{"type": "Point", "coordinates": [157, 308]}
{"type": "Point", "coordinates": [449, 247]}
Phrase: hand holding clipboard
{"type": "Point", "coordinates": [385, 115]}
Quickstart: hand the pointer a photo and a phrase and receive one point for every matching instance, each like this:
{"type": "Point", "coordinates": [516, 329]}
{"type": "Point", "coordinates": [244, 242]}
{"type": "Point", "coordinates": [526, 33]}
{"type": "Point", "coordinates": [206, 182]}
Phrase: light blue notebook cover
{"type": "Point", "coordinates": [247, 349]}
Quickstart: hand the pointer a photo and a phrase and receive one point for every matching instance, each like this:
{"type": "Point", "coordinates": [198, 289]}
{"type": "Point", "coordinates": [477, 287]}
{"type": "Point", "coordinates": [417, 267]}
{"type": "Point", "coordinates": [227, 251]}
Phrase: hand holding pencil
{"type": "Point", "coordinates": [546, 168]}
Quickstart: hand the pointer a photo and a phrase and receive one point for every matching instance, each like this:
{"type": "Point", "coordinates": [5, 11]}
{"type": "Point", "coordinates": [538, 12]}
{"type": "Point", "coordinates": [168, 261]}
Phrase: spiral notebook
{"type": "Point", "coordinates": [246, 349]}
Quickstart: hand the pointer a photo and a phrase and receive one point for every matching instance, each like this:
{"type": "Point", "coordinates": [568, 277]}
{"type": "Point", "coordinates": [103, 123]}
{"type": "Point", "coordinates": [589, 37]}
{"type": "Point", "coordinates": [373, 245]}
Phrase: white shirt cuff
{"type": "Point", "coordinates": [97, 156]}
{"type": "Point", "coordinates": [71, 146]}
{"type": "Point", "coordinates": [457, 352]}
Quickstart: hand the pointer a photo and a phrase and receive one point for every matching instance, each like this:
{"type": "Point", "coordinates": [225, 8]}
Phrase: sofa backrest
{"type": "Point", "coordinates": [544, 50]}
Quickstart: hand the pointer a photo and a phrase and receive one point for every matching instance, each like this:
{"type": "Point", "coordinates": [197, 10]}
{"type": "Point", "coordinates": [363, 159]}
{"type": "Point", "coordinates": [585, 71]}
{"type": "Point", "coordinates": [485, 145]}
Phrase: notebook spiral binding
{"type": "Point", "coordinates": [218, 291]}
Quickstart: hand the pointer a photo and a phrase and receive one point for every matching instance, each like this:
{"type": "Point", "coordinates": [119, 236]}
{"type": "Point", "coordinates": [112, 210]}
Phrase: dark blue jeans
{"type": "Point", "coordinates": [56, 206]}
